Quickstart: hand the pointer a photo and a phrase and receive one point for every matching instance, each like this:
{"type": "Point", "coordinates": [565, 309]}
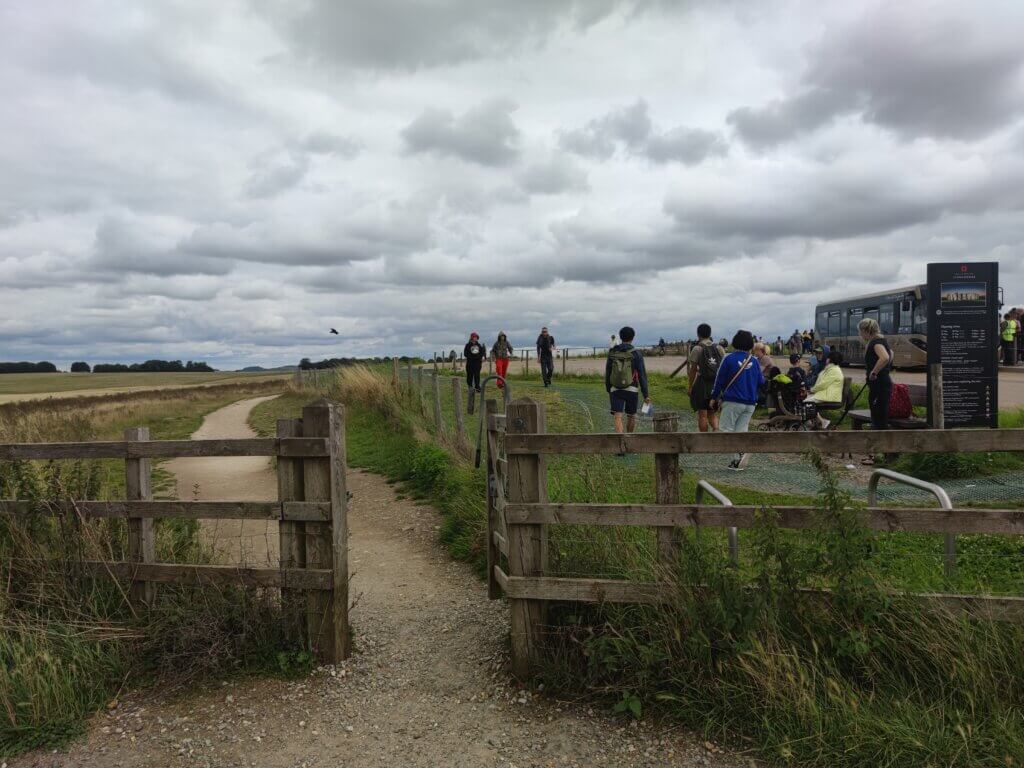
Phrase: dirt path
{"type": "Point", "coordinates": [231, 478]}
{"type": "Point", "coordinates": [427, 687]}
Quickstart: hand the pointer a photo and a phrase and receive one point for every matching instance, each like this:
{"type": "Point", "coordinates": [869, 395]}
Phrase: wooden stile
{"type": "Point", "coordinates": [527, 544]}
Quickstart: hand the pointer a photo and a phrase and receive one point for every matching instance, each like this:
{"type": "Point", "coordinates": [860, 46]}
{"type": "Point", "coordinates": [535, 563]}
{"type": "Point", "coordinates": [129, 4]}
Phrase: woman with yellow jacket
{"type": "Point", "coordinates": [827, 392]}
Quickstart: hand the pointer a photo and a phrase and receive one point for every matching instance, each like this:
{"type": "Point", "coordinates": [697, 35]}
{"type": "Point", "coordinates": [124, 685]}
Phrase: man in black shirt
{"type": "Point", "coordinates": [474, 352]}
{"type": "Point", "coordinates": [545, 354]}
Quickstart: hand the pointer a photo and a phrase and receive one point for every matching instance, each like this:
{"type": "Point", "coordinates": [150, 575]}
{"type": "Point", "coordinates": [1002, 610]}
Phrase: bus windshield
{"type": "Point", "coordinates": [921, 316]}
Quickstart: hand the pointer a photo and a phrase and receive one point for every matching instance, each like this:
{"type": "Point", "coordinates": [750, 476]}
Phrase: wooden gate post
{"type": "Point", "coordinates": [327, 543]}
{"type": "Point", "coordinates": [527, 362]}
{"type": "Point", "coordinates": [291, 535]}
{"type": "Point", "coordinates": [666, 489]}
{"type": "Point", "coordinates": [460, 429]}
{"type": "Point", "coordinates": [419, 387]}
{"type": "Point", "coordinates": [438, 420]}
{"type": "Point", "coordinates": [493, 553]}
{"type": "Point", "coordinates": [408, 370]}
{"type": "Point", "coordinates": [394, 373]}
{"type": "Point", "coordinates": [138, 486]}
{"type": "Point", "coordinates": [565, 355]}
{"type": "Point", "coordinates": [527, 544]}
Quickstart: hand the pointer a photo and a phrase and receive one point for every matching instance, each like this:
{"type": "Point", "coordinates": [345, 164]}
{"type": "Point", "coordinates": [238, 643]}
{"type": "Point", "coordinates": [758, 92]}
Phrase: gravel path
{"type": "Point", "coordinates": [428, 685]}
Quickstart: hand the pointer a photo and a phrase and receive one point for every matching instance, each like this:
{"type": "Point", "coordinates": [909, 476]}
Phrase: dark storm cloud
{"type": "Point", "coordinates": [632, 129]}
{"type": "Point", "coordinates": [915, 71]}
{"type": "Point", "coordinates": [394, 34]}
{"type": "Point", "coordinates": [272, 177]}
{"type": "Point", "coordinates": [554, 176]}
{"type": "Point", "coordinates": [485, 134]}
{"type": "Point", "coordinates": [125, 247]}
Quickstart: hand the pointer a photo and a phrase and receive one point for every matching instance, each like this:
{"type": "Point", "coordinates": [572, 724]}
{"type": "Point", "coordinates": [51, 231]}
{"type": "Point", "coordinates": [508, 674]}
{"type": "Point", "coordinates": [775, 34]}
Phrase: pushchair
{"type": "Point", "coordinates": [798, 416]}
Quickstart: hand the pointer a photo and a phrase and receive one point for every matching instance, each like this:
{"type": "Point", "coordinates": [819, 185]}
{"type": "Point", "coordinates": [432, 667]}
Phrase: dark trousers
{"type": "Point", "coordinates": [547, 367]}
{"type": "Point", "coordinates": [1009, 352]}
{"type": "Point", "coordinates": [878, 399]}
{"type": "Point", "coordinates": [473, 375]}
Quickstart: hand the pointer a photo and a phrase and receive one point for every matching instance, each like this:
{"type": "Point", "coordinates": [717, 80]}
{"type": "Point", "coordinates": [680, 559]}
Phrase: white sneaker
{"type": "Point", "coordinates": [744, 460]}
{"type": "Point", "coordinates": [825, 423]}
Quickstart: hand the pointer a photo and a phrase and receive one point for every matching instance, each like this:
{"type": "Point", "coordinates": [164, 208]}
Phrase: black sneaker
{"type": "Point", "coordinates": [734, 465]}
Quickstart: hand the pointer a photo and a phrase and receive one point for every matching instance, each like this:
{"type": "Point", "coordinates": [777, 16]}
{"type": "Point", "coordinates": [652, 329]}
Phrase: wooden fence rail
{"type": "Point", "coordinates": [311, 511]}
{"type": "Point", "coordinates": [519, 512]}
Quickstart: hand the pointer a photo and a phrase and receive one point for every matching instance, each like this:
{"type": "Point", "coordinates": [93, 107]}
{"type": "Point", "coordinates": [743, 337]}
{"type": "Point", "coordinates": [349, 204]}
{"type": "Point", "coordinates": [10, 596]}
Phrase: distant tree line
{"type": "Point", "coordinates": [151, 366]}
{"type": "Point", "coordinates": [43, 367]}
{"type": "Point", "coordinates": [337, 362]}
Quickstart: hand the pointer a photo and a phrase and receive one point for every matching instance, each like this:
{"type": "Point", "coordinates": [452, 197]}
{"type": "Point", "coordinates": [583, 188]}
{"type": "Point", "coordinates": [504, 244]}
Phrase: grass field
{"type": "Point", "coordinates": [16, 386]}
{"type": "Point", "coordinates": [866, 679]}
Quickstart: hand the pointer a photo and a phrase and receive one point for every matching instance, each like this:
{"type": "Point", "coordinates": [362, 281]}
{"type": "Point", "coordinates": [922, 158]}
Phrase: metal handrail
{"type": "Point", "coordinates": [936, 490]}
{"type": "Point", "coordinates": [698, 495]}
{"type": "Point", "coordinates": [507, 389]}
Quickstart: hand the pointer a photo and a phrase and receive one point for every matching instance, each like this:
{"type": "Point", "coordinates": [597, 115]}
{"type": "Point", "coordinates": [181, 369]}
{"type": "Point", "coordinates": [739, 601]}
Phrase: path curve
{"type": "Point", "coordinates": [231, 478]}
{"type": "Point", "coordinates": [427, 687]}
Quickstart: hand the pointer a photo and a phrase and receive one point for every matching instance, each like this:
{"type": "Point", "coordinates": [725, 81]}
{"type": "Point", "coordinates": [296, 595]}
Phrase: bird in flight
{"type": "Point", "coordinates": [334, 332]}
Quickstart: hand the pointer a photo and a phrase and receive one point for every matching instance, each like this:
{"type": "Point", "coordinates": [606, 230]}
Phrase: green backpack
{"type": "Point", "coordinates": [622, 368]}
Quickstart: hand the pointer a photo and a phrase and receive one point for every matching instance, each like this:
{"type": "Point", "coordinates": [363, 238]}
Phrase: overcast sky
{"type": "Point", "coordinates": [227, 180]}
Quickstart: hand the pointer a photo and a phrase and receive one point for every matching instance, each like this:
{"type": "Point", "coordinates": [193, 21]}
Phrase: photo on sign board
{"type": "Point", "coordinates": [964, 295]}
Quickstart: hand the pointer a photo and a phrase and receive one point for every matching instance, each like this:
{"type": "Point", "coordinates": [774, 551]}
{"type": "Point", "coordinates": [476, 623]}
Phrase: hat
{"type": "Point", "coordinates": [474, 335]}
{"type": "Point", "coordinates": [819, 349]}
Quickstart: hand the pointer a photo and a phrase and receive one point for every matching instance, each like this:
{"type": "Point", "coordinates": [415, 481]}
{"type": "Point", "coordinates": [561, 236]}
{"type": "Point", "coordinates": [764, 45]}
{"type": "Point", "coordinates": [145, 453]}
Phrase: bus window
{"type": "Point", "coordinates": [835, 323]}
{"type": "Point", "coordinates": [906, 316]}
{"type": "Point", "coordinates": [885, 318]}
{"type": "Point", "coordinates": [821, 323]}
{"type": "Point", "coordinates": [921, 316]}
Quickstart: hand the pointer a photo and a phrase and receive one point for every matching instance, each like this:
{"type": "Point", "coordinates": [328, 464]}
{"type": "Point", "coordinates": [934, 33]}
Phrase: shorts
{"type": "Point", "coordinates": [700, 397]}
{"type": "Point", "coordinates": [624, 401]}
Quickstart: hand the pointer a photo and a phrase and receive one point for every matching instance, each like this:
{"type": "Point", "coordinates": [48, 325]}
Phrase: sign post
{"type": "Point", "coordinates": [963, 338]}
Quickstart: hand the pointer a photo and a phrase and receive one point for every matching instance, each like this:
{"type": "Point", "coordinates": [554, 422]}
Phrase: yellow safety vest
{"type": "Point", "coordinates": [1010, 330]}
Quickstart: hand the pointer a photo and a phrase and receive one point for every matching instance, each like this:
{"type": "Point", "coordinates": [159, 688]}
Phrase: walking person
{"type": "Point", "coordinates": [546, 355]}
{"type": "Point", "coordinates": [701, 369]}
{"type": "Point", "coordinates": [501, 353]}
{"type": "Point", "coordinates": [878, 365]}
{"type": "Point", "coordinates": [736, 390]}
{"type": "Point", "coordinates": [625, 379]}
{"type": "Point", "coordinates": [475, 353]}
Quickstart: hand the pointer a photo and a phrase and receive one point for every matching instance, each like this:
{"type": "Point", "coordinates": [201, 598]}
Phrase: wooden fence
{"type": "Point", "coordinates": [311, 511]}
{"type": "Point", "coordinates": [519, 513]}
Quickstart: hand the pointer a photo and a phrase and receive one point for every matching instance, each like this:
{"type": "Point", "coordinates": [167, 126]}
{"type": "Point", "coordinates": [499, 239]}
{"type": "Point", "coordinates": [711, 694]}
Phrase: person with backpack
{"type": "Point", "coordinates": [546, 355]}
{"type": "Point", "coordinates": [625, 378]}
{"type": "Point", "coordinates": [737, 387]}
{"type": "Point", "coordinates": [878, 365]}
{"type": "Point", "coordinates": [701, 369]}
{"type": "Point", "coordinates": [474, 352]}
{"type": "Point", "coordinates": [501, 353]}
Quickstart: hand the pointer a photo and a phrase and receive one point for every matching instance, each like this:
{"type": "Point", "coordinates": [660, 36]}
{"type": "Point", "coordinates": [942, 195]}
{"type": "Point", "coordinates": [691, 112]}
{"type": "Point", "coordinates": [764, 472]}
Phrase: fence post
{"type": "Point", "coordinates": [666, 489]}
{"type": "Point", "coordinates": [292, 534]}
{"type": "Point", "coordinates": [565, 354]}
{"type": "Point", "coordinates": [527, 544]}
{"type": "Point", "coordinates": [438, 421]}
{"type": "Point", "coordinates": [419, 387]}
{"type": "Point", "coordinates": [939, 422]}
{"type": "Point", "coordinates": [327, 543]}
{"type": "Point", "coordinates": [493, 553]}
{"type": "Point", "coordinates": [394, 372]}
{"type": "Point", "coordinates": [460, 430]}
{"type": "Point", "coordinates": [138, 486]}
{"type": "Point", "coordinates": [408, 370]}
{"type": "Point", "coordinates": [527, 371]}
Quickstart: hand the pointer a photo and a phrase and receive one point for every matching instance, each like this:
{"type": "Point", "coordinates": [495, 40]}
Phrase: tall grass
{"type": "Point", "coordinates": [70, 641]}
{"type": "Point", "coordinates": [758, 655]}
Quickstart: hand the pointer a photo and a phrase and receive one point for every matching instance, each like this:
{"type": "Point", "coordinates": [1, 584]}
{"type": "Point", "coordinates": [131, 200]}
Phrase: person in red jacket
{"type": "Point", "coordinates": [501, 353]}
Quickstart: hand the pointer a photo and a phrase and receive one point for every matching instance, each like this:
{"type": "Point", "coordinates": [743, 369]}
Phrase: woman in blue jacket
{"type": "Point", "coordinates": [737, 386]}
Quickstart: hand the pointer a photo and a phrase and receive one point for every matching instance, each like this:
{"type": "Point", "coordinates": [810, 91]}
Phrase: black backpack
{"type": "Point", "coordinates": [710, 359]}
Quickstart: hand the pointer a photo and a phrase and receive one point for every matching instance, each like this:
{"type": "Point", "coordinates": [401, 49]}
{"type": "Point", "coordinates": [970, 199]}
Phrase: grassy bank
{"type": "Point", "coordinates": [68, 643]}
{"type": "Point", "coordinates": [746, 654]}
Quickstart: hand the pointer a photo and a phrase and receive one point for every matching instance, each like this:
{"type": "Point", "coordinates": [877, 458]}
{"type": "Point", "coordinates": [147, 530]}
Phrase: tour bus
{"type": "Point", "coordinates": [902, 315]}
